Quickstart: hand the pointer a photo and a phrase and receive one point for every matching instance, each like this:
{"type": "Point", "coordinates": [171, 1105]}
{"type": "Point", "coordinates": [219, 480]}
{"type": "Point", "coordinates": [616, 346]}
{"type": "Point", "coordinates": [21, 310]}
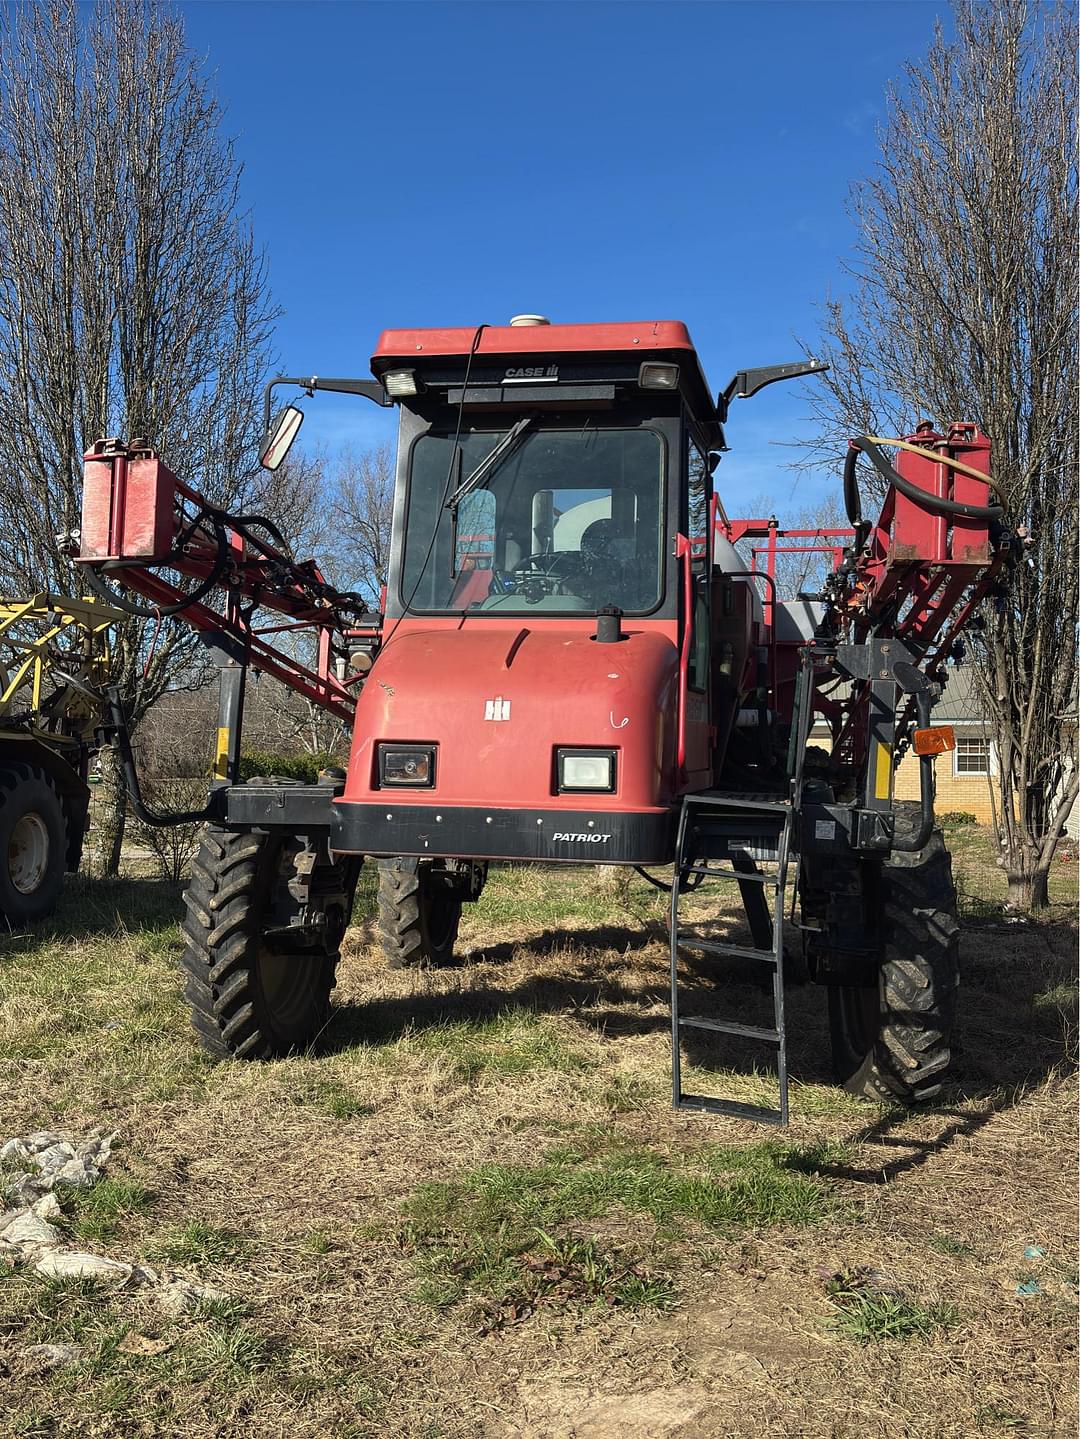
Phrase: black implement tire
{"type": "Point", "coordinates": [418, 914]}
{"type": "Point", "coordinates": [33, 844]}
{"type": "Point", "coordinates": [248, 1000]}
{"type": "Point", "coordinates": [891, 1039]}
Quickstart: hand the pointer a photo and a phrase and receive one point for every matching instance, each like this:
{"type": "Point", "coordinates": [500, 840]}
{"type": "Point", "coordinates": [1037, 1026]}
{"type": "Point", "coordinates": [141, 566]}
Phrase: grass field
{"type": "Point", "coordinates": [474, 1214]}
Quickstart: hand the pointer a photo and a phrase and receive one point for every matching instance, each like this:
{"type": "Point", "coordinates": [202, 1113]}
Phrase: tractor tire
{"type": "Point", "coordinates": [891, 1039]}
{"type": "Point", "coordinates": [418, 916]}
{"type": "Point", "coordinates": [33, 844]}
{"type": "Point", "coordinates": [251, 1000]}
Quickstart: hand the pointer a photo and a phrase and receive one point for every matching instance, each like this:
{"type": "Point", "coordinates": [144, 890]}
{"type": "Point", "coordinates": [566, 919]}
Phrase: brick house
{"type": "Point", "coordinates": [963, 777]}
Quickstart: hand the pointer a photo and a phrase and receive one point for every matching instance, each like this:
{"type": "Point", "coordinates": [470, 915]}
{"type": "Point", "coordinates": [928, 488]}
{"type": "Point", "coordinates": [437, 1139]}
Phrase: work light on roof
{"type": "Point", "coordinates": [653, 376]}
{"type": "Point", "coordinates": [400, 383]}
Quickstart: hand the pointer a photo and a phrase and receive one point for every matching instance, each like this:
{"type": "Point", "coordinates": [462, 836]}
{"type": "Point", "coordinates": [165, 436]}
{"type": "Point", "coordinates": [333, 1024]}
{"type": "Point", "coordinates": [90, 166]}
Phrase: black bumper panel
{"type": "Point", "coordinates": [578, 836]}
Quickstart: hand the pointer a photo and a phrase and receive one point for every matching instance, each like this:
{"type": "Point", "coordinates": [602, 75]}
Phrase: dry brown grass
{"type": "Point", "coordinates": [552, 1038]}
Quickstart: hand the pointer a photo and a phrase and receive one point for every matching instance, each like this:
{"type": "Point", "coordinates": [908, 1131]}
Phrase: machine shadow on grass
{"type": "Point", "coordinates": [1014, 1013]}
{"type": "Point", "coordinates": [1017, 1023]}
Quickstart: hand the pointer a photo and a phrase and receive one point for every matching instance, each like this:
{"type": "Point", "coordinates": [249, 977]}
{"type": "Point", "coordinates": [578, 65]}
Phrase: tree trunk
{"type": "Point", "coordinates": [1028, 889]}
{"type": "Point", "coordinates": [113, 816]}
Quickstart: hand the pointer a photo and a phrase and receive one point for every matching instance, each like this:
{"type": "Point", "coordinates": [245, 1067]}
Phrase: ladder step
{"type": "Point", "coordinates": [732, 1107]}
{"type": "Point", "coordinates": [733, 950]}
{"type": "Point", "coordinates": [725, 801]}
{"type": "Point", "coordinates": [744, 1031]}
{"type": "Point", "coordinates": [718, 831]}
{"type": "Point", "coordinates": [731, 874]}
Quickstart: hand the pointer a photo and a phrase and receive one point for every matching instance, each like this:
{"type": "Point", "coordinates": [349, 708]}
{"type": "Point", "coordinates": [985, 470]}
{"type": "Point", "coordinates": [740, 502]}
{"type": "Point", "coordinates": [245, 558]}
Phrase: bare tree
{"type": "Point", "coordinates": [363, 512]}
{"type": "Point", "coordinates": [964, 306]}
{"type": "Point", "coordinates": [132, 298]}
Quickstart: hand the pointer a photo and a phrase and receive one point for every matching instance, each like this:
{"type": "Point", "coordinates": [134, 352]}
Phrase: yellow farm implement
{"type": "Point", "coordinates": [53, 654]}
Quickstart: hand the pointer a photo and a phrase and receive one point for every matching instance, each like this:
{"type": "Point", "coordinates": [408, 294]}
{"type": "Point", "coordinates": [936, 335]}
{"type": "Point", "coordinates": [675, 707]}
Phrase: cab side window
{"type": "Point", "coordinates": [697, 478]}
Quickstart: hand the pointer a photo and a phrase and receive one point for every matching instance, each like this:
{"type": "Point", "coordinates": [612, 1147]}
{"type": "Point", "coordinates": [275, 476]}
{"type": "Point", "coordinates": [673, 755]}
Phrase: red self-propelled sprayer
{"type": "Point", "coordinates": [581, 659]}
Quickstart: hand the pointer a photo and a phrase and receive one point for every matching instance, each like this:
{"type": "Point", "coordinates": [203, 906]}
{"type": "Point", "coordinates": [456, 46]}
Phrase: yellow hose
{"type": "Point", "coordinates": [942, 459]}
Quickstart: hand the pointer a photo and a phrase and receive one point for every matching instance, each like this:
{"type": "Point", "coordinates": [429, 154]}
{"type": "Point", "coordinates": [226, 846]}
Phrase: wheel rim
{"type": "Point", "coordinates": [28, 853]}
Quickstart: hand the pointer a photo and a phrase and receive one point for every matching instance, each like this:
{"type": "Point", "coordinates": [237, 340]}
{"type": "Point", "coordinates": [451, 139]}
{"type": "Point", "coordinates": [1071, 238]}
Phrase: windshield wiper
{"type": "Point", "coordinates": [491, 461]}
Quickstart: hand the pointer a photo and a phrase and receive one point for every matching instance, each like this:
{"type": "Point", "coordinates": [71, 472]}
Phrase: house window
{"type": "Point", "coordinates": [972, 756]}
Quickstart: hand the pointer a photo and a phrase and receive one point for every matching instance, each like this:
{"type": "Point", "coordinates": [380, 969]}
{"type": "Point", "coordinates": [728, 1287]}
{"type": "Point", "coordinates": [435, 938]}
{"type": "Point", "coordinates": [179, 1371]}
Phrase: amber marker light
{"type": "Point", "coordinates": [934, 741]}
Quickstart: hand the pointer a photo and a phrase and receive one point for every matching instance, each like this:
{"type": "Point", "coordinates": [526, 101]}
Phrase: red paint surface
{"type": "Point", "coordinates": [127, 507]}
{"type": "Point", "coordinates": [630, 339]}
{"type": "Point", "coordinates": [938, 539]}
{"type": "Point", "coordinates": [432, 681]}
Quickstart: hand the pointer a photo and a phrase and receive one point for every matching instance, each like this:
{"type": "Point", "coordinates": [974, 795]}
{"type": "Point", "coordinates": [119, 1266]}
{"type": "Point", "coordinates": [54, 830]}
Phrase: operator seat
{"type": "Point", "coordinates": [607, 559]}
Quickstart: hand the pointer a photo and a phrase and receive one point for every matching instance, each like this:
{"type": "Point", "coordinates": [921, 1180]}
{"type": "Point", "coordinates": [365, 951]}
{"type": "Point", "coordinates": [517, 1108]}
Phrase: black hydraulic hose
{"type": "Point", "coordinates": [262, 523]}
{"type": "Point", "coordinates": [693, 883]}
{"type": "Point", "coordinates": [122, 737]}
{"type": "Point", "coordinates": [149, 612]}
{"type": "Point", "coordinates": [657, 883]}
{"type": "Point", "coordinates": [926, 787]}
{"type": "Point", "coordinates": [935, 503]}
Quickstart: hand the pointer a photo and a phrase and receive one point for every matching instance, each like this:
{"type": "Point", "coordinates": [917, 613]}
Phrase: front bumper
{"type": "Point", "coordinates": [457, 831]}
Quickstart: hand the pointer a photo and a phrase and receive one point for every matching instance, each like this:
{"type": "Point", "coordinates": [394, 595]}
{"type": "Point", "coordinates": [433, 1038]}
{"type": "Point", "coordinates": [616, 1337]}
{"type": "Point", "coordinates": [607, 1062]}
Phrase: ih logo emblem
{"type": "Point", "coordinates": [497, 709]}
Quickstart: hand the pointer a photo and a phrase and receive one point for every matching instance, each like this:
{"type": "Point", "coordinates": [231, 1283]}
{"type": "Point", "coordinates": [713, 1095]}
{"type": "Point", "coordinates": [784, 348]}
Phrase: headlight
{"type": "Point", "coordinates": [654, 376]}
{"type": "Point", "coordinates": [588, 770]}
{"type": "Point", "coordinates": [400, 384]}
{"type": "Point", "coordinates": [407, 764]}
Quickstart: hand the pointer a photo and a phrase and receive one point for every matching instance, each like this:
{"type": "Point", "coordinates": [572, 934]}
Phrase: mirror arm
{"type": "Point", "coordinates": [370, 389]}
{"type": "Point", "coordinates": [748, 382]}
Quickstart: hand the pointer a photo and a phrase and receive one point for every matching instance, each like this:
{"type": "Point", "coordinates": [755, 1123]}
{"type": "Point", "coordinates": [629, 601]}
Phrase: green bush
{"type": "Point", "coordinates": [956, 816]}
{"type": "Point", "coordinates": [304, 767]}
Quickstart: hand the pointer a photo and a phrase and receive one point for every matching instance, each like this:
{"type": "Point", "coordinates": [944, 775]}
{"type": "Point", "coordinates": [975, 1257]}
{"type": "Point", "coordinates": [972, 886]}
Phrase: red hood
{"type": "Point", "coordinates": [498, 698]}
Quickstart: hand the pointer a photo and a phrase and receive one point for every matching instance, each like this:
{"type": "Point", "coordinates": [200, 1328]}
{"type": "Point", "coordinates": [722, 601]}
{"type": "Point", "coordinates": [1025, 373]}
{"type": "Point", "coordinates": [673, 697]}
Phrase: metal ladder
{"type": "Point", "coordinates": [744, 830]}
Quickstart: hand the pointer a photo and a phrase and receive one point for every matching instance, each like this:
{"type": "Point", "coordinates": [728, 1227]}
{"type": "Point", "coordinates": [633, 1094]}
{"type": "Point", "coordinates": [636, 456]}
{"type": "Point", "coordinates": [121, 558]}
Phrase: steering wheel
{"type": "Point", "coordinates": [540, 575]}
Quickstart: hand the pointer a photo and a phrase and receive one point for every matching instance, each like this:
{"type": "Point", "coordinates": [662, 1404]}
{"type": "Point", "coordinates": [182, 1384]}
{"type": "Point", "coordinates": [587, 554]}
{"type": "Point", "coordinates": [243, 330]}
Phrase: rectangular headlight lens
{"type": "Point", "coordinates": [589, 770]}
{"type": "Point", "coordinates": [400, 383]}
{"type": "Point", "coordinates": [407, 764]}
{"type": "Point", "coordinates": [654, 376]}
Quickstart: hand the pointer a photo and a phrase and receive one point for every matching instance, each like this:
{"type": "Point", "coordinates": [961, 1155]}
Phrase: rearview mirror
{"type": "Point", "coordinates": [279, 437]}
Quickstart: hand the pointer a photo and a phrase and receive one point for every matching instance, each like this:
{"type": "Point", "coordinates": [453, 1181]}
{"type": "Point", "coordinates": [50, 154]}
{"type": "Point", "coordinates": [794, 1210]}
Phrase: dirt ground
{"type": "Point", "coordinates": [473, 1212]}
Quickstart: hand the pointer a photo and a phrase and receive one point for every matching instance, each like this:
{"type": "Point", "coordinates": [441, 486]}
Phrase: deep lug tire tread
{"type": "Point", "coordinates": [418, 925]}
{"type": "Point", "coordinates": [906, 1059]}
{"type": "Point", "coordinates": [225, 902]}
{"type": "Point", "coordinates": [15, 907]}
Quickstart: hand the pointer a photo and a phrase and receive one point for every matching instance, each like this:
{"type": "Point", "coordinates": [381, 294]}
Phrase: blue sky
{"type": "Point", "coordinates": [418, 163]}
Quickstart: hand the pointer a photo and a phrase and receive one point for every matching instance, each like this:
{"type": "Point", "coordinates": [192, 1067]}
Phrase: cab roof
{"type": "Point", "coordinates": [667, 339]}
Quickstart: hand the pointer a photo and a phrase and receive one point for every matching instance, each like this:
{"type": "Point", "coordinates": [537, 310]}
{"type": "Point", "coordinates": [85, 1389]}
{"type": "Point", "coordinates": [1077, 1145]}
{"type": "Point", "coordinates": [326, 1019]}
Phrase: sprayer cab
{"type": "Point", "coordinates": [580, 659]}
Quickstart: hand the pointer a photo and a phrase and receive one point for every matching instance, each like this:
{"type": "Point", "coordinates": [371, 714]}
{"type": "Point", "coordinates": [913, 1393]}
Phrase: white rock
{"type": "Point", "coordinates": [30, 1231]}
{"type": "Point", "coordinates": [181, 1296]}
{"type": "Point", "coordinates": [52, 1356]}
{"type": "Point", "coordinates": [79, 1173]}
{"type": "Point", "coordinates": [28, 1188]}
{"type": "Point", "coordinates": [49, 1160]}
{"type": "Point", "coordinates": [71, 1264]}
{"type": "Point", "coordinates": [14, 1152]}
{"type": "Point", "coordinates": [98, 1147]}
{"type": "Point", "coordinates": [42, 1139]}
{"type": "Point", "coordinates": [10, 1214]}
{"type": "Point", "coordinates": [47, 1207]}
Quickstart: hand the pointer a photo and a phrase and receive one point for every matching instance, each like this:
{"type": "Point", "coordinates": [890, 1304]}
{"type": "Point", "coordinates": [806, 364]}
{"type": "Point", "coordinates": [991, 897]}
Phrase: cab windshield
{"type": "Point", "coordinates": [569, 521]}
